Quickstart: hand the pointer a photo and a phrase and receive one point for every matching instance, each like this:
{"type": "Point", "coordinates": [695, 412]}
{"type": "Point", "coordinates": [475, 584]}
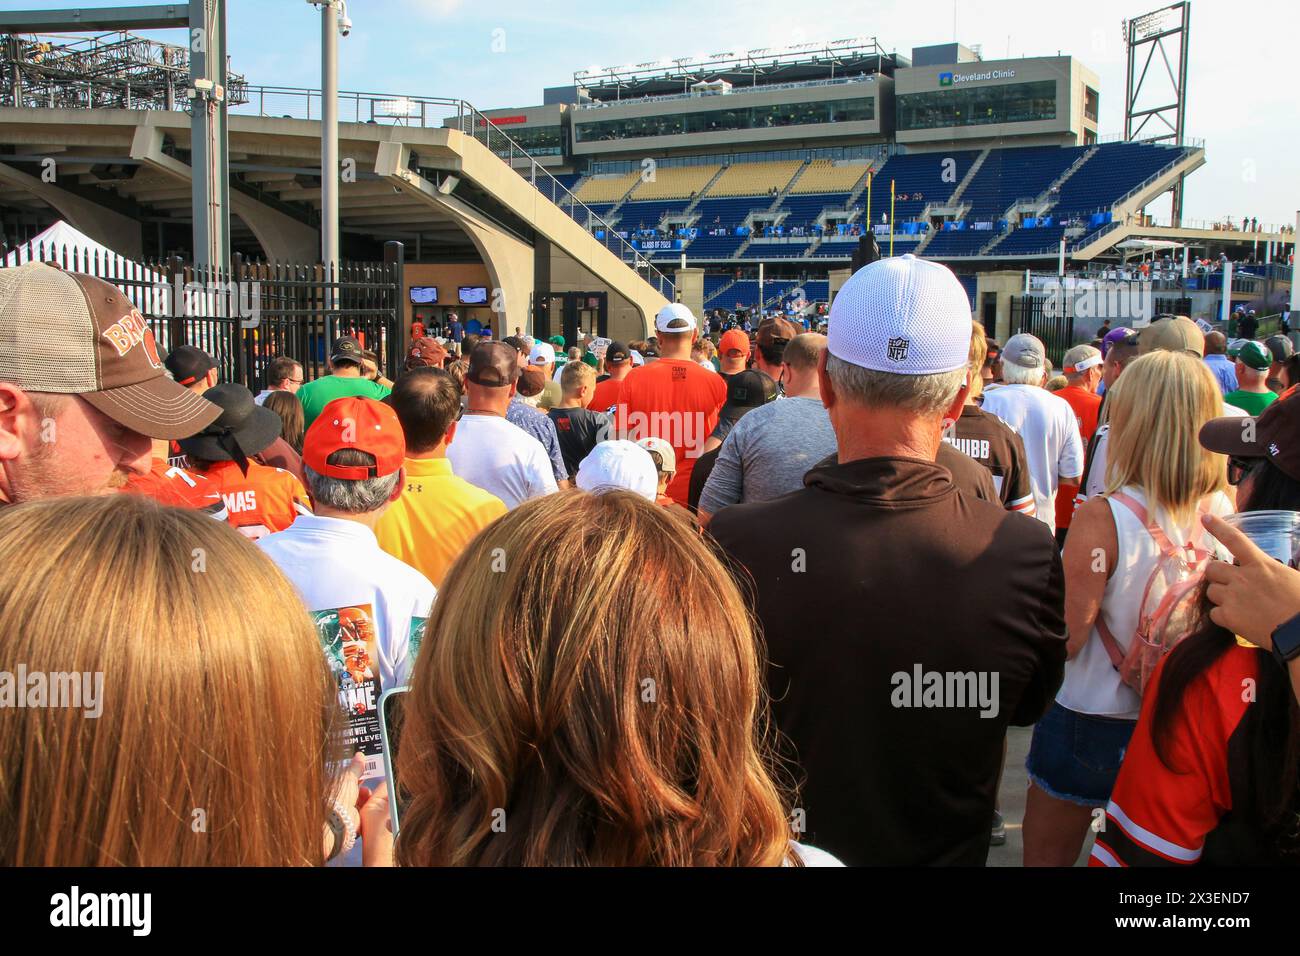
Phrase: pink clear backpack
{"type": "Point", "coordinates": [1170, 608]}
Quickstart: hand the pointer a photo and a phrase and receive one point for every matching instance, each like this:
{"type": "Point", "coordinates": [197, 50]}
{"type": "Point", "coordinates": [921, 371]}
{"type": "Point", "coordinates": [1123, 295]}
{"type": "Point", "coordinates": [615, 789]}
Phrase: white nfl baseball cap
{"type": "Point", "coordinates": [619, 464]}
{"type": "Point", "coordinates": [675, 317]}
{"type": "Point", "coordinates": [542, 353]}
{"type": "Point", "coordinates": [903, 315]}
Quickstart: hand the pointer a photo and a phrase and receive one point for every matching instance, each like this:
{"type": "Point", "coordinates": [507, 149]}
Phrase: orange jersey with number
{"type": "Point", "coordinates": [264, 501]}
{"type": "Point", "coordinates": [174, 486]}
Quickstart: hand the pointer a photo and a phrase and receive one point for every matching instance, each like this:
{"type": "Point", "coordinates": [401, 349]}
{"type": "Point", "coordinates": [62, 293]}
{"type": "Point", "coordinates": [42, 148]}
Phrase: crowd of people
{"type": "Point", "coordinates": [768, 598]}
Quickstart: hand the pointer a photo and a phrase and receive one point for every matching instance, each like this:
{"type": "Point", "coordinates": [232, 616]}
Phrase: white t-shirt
{"type": "Point", "coordinates": [502, 458]}
{"type": "Point", "coordinates": [1096, 483]}
{"type": "Point", "coordinates": [1092, 685]}
{"type": "Point", "coordinates": [1050, 430]}
{"type": "Point", "coordinates": [337, 566]}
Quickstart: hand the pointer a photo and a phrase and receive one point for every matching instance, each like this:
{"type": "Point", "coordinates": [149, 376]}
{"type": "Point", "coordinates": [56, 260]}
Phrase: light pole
{"type": "Point", "coordinates": [334, 21]}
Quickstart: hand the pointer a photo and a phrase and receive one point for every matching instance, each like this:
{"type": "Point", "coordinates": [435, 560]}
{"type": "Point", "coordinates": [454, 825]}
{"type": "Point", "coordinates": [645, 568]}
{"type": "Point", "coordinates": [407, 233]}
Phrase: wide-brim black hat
{"type": "Point", "coordinates": [243, 428]}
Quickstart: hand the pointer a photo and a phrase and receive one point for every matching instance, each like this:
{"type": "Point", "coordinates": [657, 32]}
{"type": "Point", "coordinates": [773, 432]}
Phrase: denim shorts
{"type": "Point", "coordinates": [1076, 757]}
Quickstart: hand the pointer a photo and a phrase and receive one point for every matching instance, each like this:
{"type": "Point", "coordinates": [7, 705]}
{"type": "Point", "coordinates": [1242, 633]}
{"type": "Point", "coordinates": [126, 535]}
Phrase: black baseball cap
{"type": "Point", "coordinates": [493, 365]}
{"type": "Point", "coordinates": [748, 389]}
{"type": "Point", "coordinates": [516, 343]}
{"type": "Point", "coordinates": [1273, 435]}
{"type": "Point", "coordinates": [346, 349]}
{"type": "Point", "coordinates": [188, 364]}
{"type": "Point", "coordinates": [617, 353]}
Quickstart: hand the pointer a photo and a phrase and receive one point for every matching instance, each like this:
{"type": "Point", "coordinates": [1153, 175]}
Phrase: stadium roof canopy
{"type": "Point", "coordinates": [760, 67]}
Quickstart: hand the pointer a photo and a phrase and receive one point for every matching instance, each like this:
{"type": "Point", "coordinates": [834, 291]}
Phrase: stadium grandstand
{"type": "Point", "coordinates": [782, 160]}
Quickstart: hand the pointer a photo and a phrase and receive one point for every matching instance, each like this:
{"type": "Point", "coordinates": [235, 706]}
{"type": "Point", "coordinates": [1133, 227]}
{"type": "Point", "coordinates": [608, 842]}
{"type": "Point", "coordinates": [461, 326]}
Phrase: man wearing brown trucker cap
{"type": "Point", "coordinates": [82, 387]}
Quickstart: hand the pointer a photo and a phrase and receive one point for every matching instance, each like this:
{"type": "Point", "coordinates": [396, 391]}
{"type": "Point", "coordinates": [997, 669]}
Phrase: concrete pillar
{"type": "Point", "coordinates": [690, 290]}
{"type": "Point", "coordinates": [837, 279]}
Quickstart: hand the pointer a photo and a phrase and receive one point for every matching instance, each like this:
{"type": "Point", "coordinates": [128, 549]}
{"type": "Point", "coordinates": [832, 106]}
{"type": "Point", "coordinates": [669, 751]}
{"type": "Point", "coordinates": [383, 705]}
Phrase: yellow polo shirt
{"type": "Point", "coordinates": [435, 517]}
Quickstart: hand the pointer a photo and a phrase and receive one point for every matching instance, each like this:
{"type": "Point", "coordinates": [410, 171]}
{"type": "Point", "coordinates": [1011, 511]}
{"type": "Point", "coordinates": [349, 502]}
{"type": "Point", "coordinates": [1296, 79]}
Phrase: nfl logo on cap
{"type": "Point", "coordinates": [903, 315]}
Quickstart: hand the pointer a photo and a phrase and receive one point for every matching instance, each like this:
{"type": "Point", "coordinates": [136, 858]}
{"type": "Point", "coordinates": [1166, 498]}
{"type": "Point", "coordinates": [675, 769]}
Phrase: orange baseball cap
{"type": "Point", "coordinates": [361, 424]}
{"type": "Point", "coordinates": [733, 340]}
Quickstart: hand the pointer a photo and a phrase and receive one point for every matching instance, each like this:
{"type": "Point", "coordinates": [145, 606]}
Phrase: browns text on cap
{"type": "Point", "coordinates": [75, 334]}
{"type": "Point", "coordinates": [188, 364]}
{"type": "Point", "coordinates": [493, 365]}
{"type": "Point", "coordinates": [1173, 334]}
{"type": "Point", "coordinates": [902, 315]}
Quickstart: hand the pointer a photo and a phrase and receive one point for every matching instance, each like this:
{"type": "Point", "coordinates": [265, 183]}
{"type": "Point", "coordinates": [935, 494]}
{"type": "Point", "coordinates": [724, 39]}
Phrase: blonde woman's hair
{"type": "Point", "coordinates": [979, 352]}
{"type": "Point", "coordinates": [216, 709]}
{"type": "Point", "coordinates": [1157, 408]}
{"type": "Point", "coordinates": [599, 694]}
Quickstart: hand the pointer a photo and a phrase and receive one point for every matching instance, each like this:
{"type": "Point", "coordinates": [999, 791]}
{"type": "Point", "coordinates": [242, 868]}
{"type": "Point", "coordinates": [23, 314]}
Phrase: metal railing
{"type": "Point", "coordinates": [293, 102]}
{"type": "Point", "coordinates": [438, 112]}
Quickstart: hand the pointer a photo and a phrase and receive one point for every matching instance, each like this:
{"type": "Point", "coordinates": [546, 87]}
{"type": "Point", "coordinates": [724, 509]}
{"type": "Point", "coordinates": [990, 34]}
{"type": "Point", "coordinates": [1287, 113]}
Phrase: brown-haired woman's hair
{"type": "Point", "coordinates": [215, 705]}
{"type": "Point", "coordinates": [590, 678]}
{"type": "Point", "coordinates": [287, 406]}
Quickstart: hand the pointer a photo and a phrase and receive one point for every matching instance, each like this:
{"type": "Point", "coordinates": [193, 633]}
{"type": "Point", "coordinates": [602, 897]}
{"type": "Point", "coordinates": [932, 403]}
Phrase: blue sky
{"type": "Point", "coordinates": [1243, 89]}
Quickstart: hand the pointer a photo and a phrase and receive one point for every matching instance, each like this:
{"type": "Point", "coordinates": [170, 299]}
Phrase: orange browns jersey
{"type": "Point", "coordinates": [180, 488]}
{"type": "Point", "coordinates": [264, 501]}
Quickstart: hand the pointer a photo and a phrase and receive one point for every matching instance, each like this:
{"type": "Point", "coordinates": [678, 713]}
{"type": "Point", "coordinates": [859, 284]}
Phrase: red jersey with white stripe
{"type": "Point", "coordinates": [1159, 816]}
{"type": "Point", "coordinates": [174, 486]}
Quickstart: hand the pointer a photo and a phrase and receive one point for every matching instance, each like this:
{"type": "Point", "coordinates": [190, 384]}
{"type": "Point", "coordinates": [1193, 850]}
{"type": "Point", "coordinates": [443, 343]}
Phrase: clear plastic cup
{"type": "Point", "coordinates": [1276, 533]}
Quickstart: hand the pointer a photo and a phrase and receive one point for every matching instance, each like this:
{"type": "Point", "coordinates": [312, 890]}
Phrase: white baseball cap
{"type": "Point", "coordinates": [675, 317]}
{"type": "Point", "coordinates": [542, 353]}
{"type": "Point", "coordinates": [619, 464]}
{"type": "Point", "coordinates": [663, 450]}
{"type": "Point", "coordinates": [903, 315]}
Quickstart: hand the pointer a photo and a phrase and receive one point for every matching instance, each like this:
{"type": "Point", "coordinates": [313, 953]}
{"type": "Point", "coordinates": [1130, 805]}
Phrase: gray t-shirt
{"type": "Point", "coordinates": [768, 452]}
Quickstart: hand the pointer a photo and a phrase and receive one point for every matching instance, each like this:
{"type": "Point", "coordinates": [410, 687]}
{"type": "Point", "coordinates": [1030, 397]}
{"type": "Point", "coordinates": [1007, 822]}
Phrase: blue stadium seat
{"type": "Point", "coordinates": [920, 174]}
{"type": "Point", "coordinates": [1011, 174]}
{"type": "Point", "coordinates": [714, 247]}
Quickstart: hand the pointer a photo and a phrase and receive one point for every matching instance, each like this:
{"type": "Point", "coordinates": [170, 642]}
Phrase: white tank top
{"type": "Point", "coordinates": [1092, 685]}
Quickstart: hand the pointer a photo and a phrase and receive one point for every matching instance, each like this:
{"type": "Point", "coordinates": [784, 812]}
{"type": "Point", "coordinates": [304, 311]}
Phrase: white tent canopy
{"type": "Point", "coordinates": [149, 291]}
{"type": "Point", "coordinates": [1149, 245]}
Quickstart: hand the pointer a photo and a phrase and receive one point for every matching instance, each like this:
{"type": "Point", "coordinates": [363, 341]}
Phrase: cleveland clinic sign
{"type": "Point", "coordinates": [952, 79]}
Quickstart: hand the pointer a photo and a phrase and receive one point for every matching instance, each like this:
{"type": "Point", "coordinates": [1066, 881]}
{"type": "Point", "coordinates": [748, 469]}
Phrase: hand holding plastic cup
{"type": "Point", "coordinates": [1276, 533]}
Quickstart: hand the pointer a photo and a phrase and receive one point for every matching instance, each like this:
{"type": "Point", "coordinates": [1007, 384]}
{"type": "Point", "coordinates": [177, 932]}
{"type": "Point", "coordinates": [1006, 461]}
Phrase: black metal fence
{"type": "Point", "coordinates": [247, 315]}
{"type": "Point", "coordinates": [1041, 316]}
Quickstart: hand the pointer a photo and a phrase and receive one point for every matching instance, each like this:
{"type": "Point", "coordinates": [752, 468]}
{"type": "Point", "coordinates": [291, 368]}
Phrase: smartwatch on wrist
{"type": "Point", "coordinates": [1286, 641]}
{"type": "Point", "coordinates": [339, 830]}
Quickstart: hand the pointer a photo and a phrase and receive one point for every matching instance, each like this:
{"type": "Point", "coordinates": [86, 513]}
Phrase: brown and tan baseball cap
{"type": "Point", "coordinates": [1175, 333]}
{"type": "Point", "coordinates": [74, 334]}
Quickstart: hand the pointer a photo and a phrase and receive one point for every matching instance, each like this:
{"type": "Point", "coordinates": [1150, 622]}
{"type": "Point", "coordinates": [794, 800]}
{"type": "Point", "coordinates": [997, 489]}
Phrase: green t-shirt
{"type": "Point", "coordinates": [317, 394]}
{"type": "Point", "coordinates": [1251, 402]}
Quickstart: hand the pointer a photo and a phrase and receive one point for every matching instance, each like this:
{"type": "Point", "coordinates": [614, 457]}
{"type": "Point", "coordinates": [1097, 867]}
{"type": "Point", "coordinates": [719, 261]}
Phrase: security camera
{"type": "Point", "coordinates": [345, 25]}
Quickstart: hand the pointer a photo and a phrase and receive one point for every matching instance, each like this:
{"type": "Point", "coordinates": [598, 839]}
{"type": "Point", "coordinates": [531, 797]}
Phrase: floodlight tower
{"type": "Point", "coordinates": [1159, 31]}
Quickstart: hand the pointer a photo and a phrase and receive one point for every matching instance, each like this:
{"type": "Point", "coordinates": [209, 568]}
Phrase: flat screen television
{"type": "Point", "coordinates": [473, 294]}
{"type": "Point", "coordinates": [424, 294]}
